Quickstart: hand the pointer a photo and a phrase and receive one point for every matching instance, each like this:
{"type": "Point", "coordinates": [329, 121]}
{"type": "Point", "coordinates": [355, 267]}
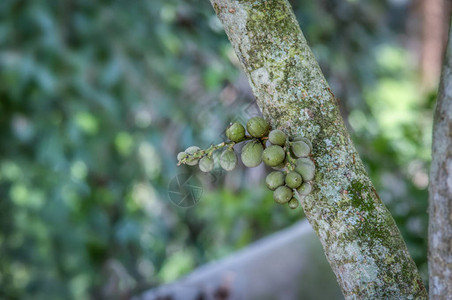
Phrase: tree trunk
{"type": "Point", "coordinates": [440, 189]}
{"type": "Point", "coordinates": [359, 236]}
{"type": "Point", "coordinates": [435, 18]}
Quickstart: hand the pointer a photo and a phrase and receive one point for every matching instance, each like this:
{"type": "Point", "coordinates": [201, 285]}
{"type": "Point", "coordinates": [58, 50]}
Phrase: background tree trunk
{"type": "Point", "coordinates": [440, 189]}
{"type": "Point", "coordinates": [435, 18]}
{"type": "Point", "coordinates": [360, 238]}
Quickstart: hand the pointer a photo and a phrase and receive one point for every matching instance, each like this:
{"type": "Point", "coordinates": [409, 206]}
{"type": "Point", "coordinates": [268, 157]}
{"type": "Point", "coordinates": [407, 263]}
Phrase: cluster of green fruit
{"type": "Point", "coordinates": [289, 157]}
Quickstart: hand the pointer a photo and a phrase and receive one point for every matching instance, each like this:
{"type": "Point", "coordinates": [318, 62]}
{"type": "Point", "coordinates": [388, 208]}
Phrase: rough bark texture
{"type": "Point", "coordinates": [251, 273]}
{"type": "Point", "coordinates": [440, 189]}
{"type": "Point", "coordinates": [359, 236]}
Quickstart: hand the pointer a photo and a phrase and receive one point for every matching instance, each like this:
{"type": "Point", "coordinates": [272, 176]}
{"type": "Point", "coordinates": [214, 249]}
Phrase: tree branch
{"type": "Point", "coordinates": [358, 234]}
{"type": "Point", "coordinates": [440, 189]}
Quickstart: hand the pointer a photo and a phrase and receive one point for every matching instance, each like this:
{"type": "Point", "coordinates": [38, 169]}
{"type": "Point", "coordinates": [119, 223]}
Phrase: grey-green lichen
{"type": "Point", "coordinates": [359, 236]}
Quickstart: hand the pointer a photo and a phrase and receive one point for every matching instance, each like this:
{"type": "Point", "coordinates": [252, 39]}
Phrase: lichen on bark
{"type": "Point", "coordinates": [359, 236]}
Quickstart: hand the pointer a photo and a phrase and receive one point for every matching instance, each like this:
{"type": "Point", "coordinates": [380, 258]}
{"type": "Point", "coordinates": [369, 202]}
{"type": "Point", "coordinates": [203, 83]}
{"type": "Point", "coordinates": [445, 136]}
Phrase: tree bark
{"type": "Point", "coordinates": [359, 236]}
{"type": "Point", "coordinates": [440, 189]}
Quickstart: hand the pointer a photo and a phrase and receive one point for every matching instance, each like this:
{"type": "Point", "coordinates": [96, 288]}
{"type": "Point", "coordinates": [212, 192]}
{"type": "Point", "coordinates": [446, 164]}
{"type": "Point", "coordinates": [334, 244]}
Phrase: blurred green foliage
{"type": "Point", "coordinates": [96, 99]}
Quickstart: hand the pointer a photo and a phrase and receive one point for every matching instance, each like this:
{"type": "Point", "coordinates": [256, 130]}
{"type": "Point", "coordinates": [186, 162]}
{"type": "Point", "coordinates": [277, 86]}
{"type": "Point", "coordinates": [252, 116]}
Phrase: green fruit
{"type": "Point", "coordinates": [181, 156]}
{"type": "Point", "coordinates": [306, 168]}
{"type": "Point", "coordinates": [293, 180]}
{"type": "Point", "coordinates": [252, 153]}
{"type": "Point", "coordinates": [282, 194]}
{"type": "Point", "coordinates": [206, 164]}
{"type": "Point", "coordinates": [228, 160]}
{"type": "Point", "coordinates": [273, 155]}
{"type": "Point", "coordinates": [192, 161]}
{"type": "Point", "coordinates": [257, 127]}
{"type": "Point", "coordinates": [302, 138]}
{"type": "Point", "coordinates": [274, 180]}
{"type": "Point", "coordinates": [277, 137]}
{"type": "Point", "coordinates": [236, 132]}
{"type": "Point", "coordinates": [216, 159]}
{"type": "Point", "coordinates": [305, 189]}
{"type": "Point", "coordinates": [192, 150]}
{"type": "Point", "coordinates": [293, 203]}
{"type": "Point", "coordinates": [280, 166]}
{"type": "Point", "coordinates": [300, 149]}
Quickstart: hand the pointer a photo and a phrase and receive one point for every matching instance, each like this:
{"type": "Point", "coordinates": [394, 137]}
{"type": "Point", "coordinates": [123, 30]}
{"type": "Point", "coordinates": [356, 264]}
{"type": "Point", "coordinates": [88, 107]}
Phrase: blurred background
{"type": "Point", "coordinates": [98, 97]}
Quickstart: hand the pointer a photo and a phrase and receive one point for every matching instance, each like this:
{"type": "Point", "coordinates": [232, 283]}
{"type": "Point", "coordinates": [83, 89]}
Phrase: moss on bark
{"type": "Point", "coordinates": [359, 236]}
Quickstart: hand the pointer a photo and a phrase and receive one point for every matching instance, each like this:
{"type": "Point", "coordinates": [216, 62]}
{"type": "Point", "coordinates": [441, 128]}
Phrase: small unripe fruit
{"type": "Point", "coordinates": [293, 203]}
{"type": "Point", "coordinates": [304, 189]}
{"type": "Point", "coordinates": [216, 159]}
{"type": "Point", "coordinates": [280, 166]}
{"type": "Point", "coordinates": [206, 164]}
{"type": "Point", "coordinates": [257, 127]}
{"type": "Point", "coordinates": [228, 160]}
{"type": "Point", "coordinates": [293, 180]}
{"type": "Point", "coordinates": [192, 150]}
{"type": "Point", "coordinates": [300, 149]}
{"type": "Point", "coordinates": [274, 180]}
{"type": "Point", "coordinates": [273, 155]}
{"type": "Point", "coordinates": [305, 167]}
{"type": "Point", "coordinates": [192, 161]}
{"type": "Point", "coordinates": [282, 194]}
{"type": "Point", "coordinates": [181, 156]}
{"type": "Point", "coordinates": [236, 132]}
{"type": "Point", "coordinates": [277, 137]}
{"type": "Point", "coordinates": [252, 153]}
{"type": "Point", "coordinates": [302, 138]}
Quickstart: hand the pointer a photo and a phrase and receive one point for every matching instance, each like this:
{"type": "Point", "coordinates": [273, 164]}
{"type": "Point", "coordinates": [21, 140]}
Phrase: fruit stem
{"type": "Point", "coordinates": [290, 161]}
{"type": "Point", "coordinates": [209, 151]}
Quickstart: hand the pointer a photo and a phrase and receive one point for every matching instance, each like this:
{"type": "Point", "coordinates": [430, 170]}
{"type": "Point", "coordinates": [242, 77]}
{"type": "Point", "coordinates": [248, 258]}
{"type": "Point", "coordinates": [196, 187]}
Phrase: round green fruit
{"type": "Point", "coordinates": [305, 189]}
{"type": "Point", "coordinates": [252, 153]}
{"type": "Point", "coordinates": [277, 137]}
{"type": "Point", "coordinates": [228, 160]}
{"type": "Point", "coordinates": [302, 138]}
{"type": "Point", "coordinates": [192, 150]}
{"type": "Point", "coordinates": [257, 127]}
{"type": "Point", "coordinates": [236, 132]}
{"type": "Point", "coordinates": [181, 156]}
{"type": "Point", "coordinates": [300, 149]}
{"type": "Point", "coordinates": [206, 164]}
{"type": "Point", "coordinates": [293, 180]}
{"type": "Point", "coordinates": [274, 180]}
{"type": "Point", "coordinates": [306, 168]}
{"type": "Point", "coordinates": [282, 194]}
{"type": "Point", "coordinates": [280, 166]}
{"type": "Point", "coordinates": [293, 203]}
{"type": "Point", "coordinates": [273, 155]}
